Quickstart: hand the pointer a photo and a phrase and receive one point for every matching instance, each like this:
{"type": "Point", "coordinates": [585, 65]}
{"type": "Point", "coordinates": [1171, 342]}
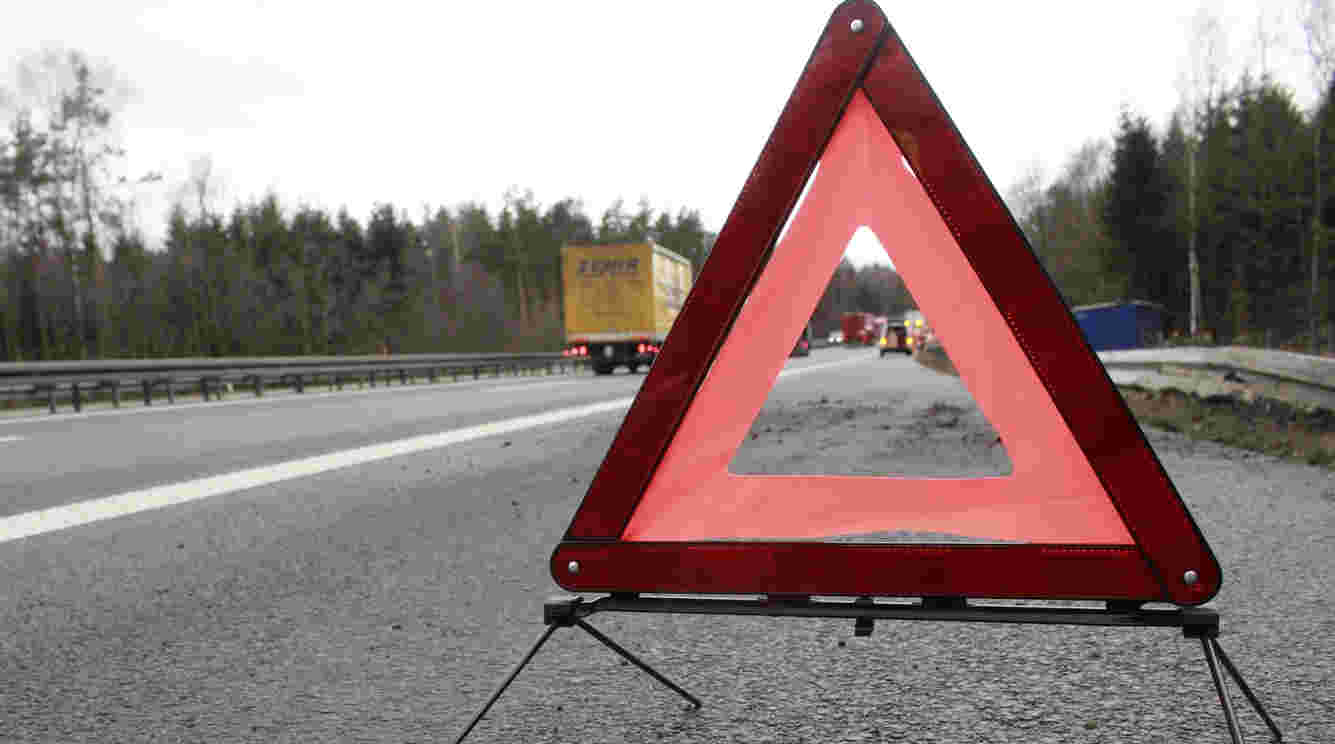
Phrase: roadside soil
{"type": "Point", "coordinates": [1263, 425]}
{"type": "Point", "coordinates": [1267, 426]}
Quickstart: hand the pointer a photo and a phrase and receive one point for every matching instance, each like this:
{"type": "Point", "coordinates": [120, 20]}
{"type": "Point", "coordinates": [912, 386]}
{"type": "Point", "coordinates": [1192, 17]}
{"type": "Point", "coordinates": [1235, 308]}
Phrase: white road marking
{"type": "Point", "coordinates": [285, 397]}
{"type": "Point", "coordinates": [271, 397]}
{"type": "Point", "coordinates": [11, 439]}
{"type": "Point", "coordinates": [528, 386]}
{"type": "Point", "coordinates": [794, 372]}
{"type": "Point", "coordinates": [132, 502]}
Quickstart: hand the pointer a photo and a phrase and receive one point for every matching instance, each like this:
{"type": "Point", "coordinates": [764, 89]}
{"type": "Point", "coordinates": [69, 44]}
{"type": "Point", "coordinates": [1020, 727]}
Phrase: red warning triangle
{"type": "Point", "coordinates": [1087, 511]}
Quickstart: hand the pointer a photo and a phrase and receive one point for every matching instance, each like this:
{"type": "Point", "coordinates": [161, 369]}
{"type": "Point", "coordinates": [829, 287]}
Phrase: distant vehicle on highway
{"type": "Point", "coordinates": [859, 329]}
{"type": "Point", "coordinates": [896, 338]}
{"type": "Point", "coordinates": [1133, 324]}
{"type": "Point", "coordinates": [918, 330]}
{"type": "Point", "coordinates": [836, 337]}
{"type": "Point", "coordinates": [620, 301]}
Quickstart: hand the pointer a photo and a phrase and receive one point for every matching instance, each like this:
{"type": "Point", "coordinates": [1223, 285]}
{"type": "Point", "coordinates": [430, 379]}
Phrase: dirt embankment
{"type": "Point", "coordinates": [1248, 422]}
{"type": "Point", "coordinates": [1261, 425]}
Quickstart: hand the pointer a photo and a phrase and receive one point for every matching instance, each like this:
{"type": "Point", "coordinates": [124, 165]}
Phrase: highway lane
{"type": "Point", "coordinates": [74, 458]}
{"type": "Point", "coordinates": [49, 463]}
{"type": "Point", "coordinates": [309, 608]}
{"type": "Point", "coordinates": [382, 602]}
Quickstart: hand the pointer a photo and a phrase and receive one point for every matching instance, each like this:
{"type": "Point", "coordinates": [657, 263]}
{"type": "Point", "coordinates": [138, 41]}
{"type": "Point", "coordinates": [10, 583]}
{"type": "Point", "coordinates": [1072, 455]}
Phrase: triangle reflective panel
{"type": "Point", "coordinates": [1087, 511]}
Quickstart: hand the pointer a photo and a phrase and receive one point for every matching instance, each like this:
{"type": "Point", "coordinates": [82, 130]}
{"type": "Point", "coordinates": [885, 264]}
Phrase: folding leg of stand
{"type": "Point", "coordinates": [1242, 685]}
{"type": "Point", "coordinates": [1195, 622]}
{"type": "Point", "coordinates": [1214, 654]}
{"type": "Point", "coordinates": [567, 612]}
{"type": "Point", "coordinates": [1230, 716]}
{"type": "Point", "coordinates": [506, 684]}
{"type": "Point", "coordinates": [632, 659]}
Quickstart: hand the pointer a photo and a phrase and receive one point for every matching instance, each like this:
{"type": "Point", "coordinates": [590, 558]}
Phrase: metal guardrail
{"type": "Point", "coordinates": [1297, 378]}
{"type": "Point", "coordinates": [212, 376]}
{"type": "Point", "coordinates": [1226, 371]}
{"type": "Point", "coordinates": [1300, 379]}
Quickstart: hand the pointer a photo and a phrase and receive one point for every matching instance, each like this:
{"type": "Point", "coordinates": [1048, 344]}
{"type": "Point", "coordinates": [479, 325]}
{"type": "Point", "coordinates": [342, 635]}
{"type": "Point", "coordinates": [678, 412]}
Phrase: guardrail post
{"type": "Point", "coordinates": [115, 393]}
{"type": "Point", "coordinates": [475, 373]}
{"type": "Point", "coordinates": [259, 385]}
{"type": "Point", "coordinates": [75, 397]}
{"type": "Point", "coordinates": [51, 397]}
{"type": "Point", "coordinates": [371, 377]}
{"type": "Point", "coordinates": [171, 390]}
{"type": "Point", "coordinates": [301, 386]}
{"type": "Point", "coordinates": [403, 377]}
{"type": "Point", "coordinates": [204, 388]}
{"type": "Point", "coordinates": [431, 374]}
{"type": "Point", "coordinates": [148, 391]}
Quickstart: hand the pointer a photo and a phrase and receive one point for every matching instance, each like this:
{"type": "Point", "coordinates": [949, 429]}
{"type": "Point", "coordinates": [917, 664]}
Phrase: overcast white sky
{"type": "Point", "coordinates": [429, 103]}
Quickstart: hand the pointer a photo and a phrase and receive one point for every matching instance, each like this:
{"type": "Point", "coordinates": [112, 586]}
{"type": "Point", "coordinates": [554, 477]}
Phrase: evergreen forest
{"type": "Point", "coordinates": [1222, 216]}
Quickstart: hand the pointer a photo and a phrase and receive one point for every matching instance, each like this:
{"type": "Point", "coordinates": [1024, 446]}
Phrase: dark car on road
{"type": "Point", "coordinates": [896, 338]}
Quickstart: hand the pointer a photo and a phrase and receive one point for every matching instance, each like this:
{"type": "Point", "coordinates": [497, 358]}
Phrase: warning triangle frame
{"type": "Point", "coordinates": [1169, 559]}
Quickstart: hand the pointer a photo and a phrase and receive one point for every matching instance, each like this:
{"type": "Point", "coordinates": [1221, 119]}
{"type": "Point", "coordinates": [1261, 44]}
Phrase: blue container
{"type": "Point", "coordinates": [1121, 325]}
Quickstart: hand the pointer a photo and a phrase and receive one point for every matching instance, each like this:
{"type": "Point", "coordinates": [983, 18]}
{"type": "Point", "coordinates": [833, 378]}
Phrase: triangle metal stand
{"type": "Point", "coordinates": [1195, 622]}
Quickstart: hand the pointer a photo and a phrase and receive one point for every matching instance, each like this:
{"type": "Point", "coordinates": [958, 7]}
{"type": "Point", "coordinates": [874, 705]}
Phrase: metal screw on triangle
{"type": "Point", "coordinates": [856, 25]}
{"type": "Point", "coordinates": [1190, 577]}
{"type": "Point", "coordinates": [573, 567]}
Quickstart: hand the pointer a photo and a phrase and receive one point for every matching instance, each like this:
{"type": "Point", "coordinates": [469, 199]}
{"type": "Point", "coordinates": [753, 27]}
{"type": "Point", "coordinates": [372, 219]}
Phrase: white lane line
{"type": "Point", "coordinates": [271, 397]}
{"type": "Point", "coordinates": [133, 502]}
{"type": "Point", "coordinates": [95, 510]}
{"type": "Point", "coordinates": [11, 439]}
{"type": "Point", "coordinates": [529, 386]}
{"type": "Point", "coordinates": [299, 397]}
{"type": "Point", "coordinates": [794, 372]}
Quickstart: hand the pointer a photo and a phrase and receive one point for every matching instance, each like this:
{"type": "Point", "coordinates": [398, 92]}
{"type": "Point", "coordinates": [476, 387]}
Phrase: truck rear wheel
{"type": "Point", "coordinates": [602, 369]}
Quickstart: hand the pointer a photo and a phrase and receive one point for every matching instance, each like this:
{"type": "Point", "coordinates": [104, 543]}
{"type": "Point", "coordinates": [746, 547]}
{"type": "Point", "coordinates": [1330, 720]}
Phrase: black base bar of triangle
{"type": "Point", "coordinates": [1195, 622]}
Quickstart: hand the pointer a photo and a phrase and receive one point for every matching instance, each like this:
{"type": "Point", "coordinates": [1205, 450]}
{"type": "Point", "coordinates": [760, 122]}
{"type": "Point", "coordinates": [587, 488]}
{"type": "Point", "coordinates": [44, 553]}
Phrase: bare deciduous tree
{"type": "Point", "coordinates": [1318, 23]}
{"type": "Point", "coordinates": [1199, 88]}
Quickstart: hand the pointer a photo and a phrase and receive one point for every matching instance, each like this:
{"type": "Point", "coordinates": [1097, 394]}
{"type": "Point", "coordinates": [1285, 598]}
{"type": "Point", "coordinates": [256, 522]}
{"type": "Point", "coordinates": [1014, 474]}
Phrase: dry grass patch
{"type": "Point", "coordinates": [1263, 425]}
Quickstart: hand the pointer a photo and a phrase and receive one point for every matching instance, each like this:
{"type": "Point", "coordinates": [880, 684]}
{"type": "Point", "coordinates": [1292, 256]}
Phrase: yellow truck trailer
{"type": "Point", "coordinates": [620, 301]}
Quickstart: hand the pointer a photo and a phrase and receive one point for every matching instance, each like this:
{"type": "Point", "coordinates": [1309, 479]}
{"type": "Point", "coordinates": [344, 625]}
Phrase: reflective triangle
{"type": "Point", "coordinates": [1053, 494]}
{"type": "Point", "coordinates": [1097, 516]}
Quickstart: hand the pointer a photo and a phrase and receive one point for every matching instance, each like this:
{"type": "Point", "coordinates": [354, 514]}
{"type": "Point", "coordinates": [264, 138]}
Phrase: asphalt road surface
{"type": "Point", "coordinates": [366, 566]}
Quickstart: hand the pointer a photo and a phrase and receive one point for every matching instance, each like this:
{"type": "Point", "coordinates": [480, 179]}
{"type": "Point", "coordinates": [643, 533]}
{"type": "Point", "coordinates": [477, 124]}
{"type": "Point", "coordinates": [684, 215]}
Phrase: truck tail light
{"type": "Point", "coordinates": [640, 348]}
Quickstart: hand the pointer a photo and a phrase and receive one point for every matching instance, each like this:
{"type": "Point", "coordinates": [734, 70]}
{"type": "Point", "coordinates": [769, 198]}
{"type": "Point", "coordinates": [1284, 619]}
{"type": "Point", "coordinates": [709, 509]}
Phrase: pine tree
{"type": "Point", "coordinates": [1137, 216]}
